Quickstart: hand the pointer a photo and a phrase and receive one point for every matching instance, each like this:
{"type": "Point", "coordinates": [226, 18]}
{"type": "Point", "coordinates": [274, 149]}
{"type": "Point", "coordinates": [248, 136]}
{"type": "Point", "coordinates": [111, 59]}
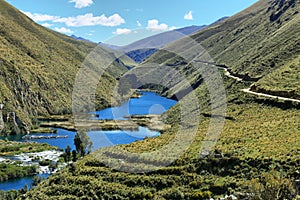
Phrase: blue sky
{"type": "Point", "coordinates": [101, 20]}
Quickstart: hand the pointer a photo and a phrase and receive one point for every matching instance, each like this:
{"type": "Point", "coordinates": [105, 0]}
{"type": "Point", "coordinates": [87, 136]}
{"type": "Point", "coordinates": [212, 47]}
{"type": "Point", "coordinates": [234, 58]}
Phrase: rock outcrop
{"type": "Point", "coordinates": [12, 123]}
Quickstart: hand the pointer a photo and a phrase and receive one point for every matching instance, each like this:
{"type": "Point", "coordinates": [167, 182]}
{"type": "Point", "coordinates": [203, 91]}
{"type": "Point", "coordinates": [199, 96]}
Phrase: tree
{"type": "Point", "coordinates": [82, 143]}
{"type": "Point", "coordinates": [68, 153]}
{"type": "Point", "coordinates": [74, 155]}
{"type": "Point", "coordinates": [77, 142]}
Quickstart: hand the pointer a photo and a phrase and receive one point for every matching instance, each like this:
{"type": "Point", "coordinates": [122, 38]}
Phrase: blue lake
{"type": "Point", "coordinates": [148, 103]}
{"type": "Point", "coordinates": [17, 184]}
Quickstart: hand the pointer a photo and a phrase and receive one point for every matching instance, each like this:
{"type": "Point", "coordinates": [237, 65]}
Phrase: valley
{"type": "Point", "coordinates": [213, 114]}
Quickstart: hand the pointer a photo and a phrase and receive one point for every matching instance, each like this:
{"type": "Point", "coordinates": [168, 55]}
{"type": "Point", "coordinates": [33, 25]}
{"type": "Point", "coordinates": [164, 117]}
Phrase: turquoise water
{"type": "Point", "coordinates": [148, 103]}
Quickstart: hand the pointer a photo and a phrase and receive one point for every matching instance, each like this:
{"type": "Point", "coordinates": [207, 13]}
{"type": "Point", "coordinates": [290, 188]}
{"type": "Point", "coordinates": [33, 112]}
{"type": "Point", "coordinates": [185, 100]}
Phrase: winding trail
{"type": "Point", "coordinates": [248, 90]}
{"type": "Point", "coordinates": [227, 73]}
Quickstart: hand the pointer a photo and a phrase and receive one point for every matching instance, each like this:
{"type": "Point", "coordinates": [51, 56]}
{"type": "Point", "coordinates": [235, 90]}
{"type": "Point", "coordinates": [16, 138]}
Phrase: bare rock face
{"type": "Point", "coordinates": [278, 7]}
{"type": "Point", "coordinates": [12, 124]}
{"type": "Point", "coordinates": [1, 118]}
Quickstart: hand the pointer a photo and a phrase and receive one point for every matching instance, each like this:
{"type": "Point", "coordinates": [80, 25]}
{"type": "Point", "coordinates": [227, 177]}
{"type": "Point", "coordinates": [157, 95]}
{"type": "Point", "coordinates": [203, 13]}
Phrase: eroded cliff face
{"type": "Point", "coordinates": [10, 124]}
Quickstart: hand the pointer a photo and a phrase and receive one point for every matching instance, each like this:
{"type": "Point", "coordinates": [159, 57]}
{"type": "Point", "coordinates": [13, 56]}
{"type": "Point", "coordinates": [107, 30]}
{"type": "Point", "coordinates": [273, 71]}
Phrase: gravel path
{"type": "Point", "coordinates": [247, 90]}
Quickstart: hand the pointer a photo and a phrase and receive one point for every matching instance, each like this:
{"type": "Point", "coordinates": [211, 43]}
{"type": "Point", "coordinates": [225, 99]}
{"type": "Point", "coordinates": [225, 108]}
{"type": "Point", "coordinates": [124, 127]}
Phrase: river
{"type": "Point", "coordinates": [148, 103]}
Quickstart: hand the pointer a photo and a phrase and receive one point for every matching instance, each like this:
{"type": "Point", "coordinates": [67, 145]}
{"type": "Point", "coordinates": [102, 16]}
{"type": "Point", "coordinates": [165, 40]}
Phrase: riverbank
{"type": "Point", "coordinates": [151, 121]}
{"type": "Point", "coordinates": [12, 148]}
{"type": "Point", "coordinates": [22, 159]}
{"type": "Point", "coordinates": [43, 130]}
{"type": "Point", "coordinates": [36, 159]}
{"type": "Point", "coordinates": [105, 127]}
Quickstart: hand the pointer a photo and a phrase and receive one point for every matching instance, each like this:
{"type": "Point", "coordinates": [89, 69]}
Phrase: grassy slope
{"type": "Point", "coordinates": [259, 144]}
{"type": "Point", "coordinates": [284, 81]}
{"type": "Point", "coordinates": [252, 42]}
{"type": "Point", "coordinates": [38, 67]}
{"type": "Point", "coordinates": [259, 141]}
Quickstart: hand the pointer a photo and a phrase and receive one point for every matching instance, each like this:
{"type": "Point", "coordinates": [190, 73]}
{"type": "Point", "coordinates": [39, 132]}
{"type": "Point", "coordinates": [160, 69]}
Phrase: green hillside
{"type": "Point", "coordinates": [252, 151]}
{"type": "Point", "coordinates": [255, 42]}
{"type": "Point", "coordinates": [258, 153]}
{"type": "Point", "coordinates": [284, 81]}
{"type": "Point", "coordinates": [38, 68]}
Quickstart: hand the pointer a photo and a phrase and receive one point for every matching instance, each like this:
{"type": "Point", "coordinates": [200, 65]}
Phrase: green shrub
{"type": "Point", "coordinates": [198, 195]}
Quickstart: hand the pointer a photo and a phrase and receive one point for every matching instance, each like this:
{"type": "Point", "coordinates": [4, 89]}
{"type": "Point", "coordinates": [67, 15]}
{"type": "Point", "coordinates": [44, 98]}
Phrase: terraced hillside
{"type": "Point", "coordinates": [38, 68]}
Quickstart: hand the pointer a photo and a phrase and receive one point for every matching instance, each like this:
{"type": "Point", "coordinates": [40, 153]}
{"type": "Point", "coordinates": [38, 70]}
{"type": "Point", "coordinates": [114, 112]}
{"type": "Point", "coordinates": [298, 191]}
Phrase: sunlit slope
{"type": "Point", "coordinates": [255, 42]}
{"type": "Point", "coordinates": [257, 152]}
{"type": "Point", "coordinates": [38, 67]}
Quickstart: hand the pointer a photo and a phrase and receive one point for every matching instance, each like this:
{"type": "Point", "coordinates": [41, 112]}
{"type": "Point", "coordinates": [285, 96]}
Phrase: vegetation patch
{"type": "Point", "coordinates": [10, 148]}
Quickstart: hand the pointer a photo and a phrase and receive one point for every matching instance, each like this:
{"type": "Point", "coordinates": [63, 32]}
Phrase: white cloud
{"type": "Point", "coordinates": [41, 17]}
{"type": "Point", "coordinates": [81, 20]}
{"type": "Point", "coordinates": [64, 30]}
{"type": "Point", "coordinates": [81, 3]}
{"type": "Point", "coordinates": [91, 20]}
{"type": "Point", "coordinates": [122, 31]}
{"type": "Point", "coordinates": [172, 28]}
{"type": "Point", "coordinates": [47, 24]}
{"type": "Point", "coordinates": [155, 26]}
{"type": "Point", "coordinates": [138, 23]}
{"type": "Point", "coordinates": [189, 16]}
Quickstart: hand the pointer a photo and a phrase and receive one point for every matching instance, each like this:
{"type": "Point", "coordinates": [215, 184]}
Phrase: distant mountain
{"type": "Point", "coordinates": [190, 29]}
{"type": "Point", "coordinates": [110, 46]}
{"type": "Point", "coordinates": [38, 69]}
{"type": "Point", "coordinates": [162, 39]}
{"type": "Point", "coordinates": [142, 49]}
{"type": "Point", "coordinates": [79, 38]}
{"type": "Point", "coordinates": [140, 55]}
